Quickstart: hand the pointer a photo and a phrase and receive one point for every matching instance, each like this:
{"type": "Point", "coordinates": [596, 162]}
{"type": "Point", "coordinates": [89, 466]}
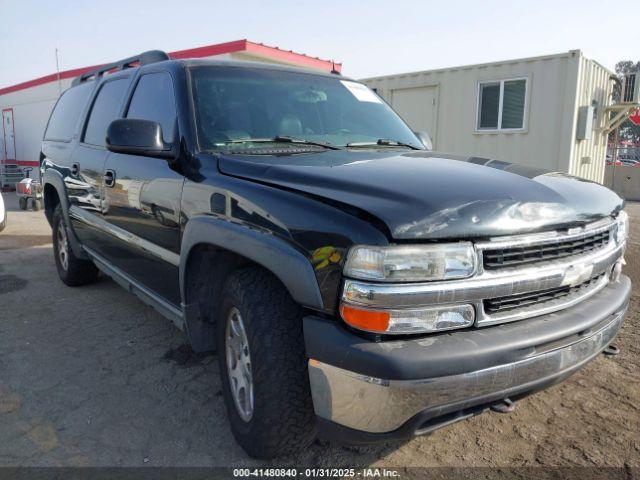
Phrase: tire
{"type": "Point", "coordinates": [72, 270]}
{"type": "Point", "coordinates": [35, 203]}
{"type": "Point", "coordinates": [282, 421]}
{"type": "Point", "coordinates": [22, 202]}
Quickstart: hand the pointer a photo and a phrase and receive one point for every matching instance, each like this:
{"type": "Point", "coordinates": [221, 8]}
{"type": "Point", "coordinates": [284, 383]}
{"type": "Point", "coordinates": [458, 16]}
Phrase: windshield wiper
{"type": "Point", "coordinates": [383, 142]}
{"type": "Point", "coordinates": [287, 139]}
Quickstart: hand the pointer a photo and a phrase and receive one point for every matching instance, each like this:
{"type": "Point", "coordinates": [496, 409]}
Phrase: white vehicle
{"type": "Point", "coordinates": [3, 214]}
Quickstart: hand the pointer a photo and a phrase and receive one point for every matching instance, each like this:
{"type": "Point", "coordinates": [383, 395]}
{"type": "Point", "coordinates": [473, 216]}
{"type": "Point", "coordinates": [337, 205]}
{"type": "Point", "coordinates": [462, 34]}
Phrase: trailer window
{"type": "Point", "coordinates": [64, 119]}
{"type": "Point", "coordinates": [502, 105]}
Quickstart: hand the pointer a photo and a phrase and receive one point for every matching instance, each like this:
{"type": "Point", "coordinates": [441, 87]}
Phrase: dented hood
{"type": "Point", "coordinates": [427, 195]}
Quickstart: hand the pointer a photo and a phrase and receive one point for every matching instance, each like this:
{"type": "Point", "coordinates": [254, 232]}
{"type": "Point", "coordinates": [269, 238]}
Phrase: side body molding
{"type": "Point", "coordinates": [54, 178]}
{"type": "Point", "coordinates": [275, 254]}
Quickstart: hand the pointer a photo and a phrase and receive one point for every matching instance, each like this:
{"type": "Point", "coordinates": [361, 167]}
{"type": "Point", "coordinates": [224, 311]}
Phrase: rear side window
{"type": "Point", "coordinates": [105, 109]}
{"type": "Point", "coordinates": [154, 100]}
{"type": "Point", "coordinates": [66, 114]}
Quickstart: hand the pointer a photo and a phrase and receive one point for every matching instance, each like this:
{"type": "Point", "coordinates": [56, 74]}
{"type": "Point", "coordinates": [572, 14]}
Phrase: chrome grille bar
{"type": "Point", "coordinates": [504, 304]}
{"type": "Point", "coordinates": [494, 259]}
{"type": "Point", "coordinates": [542, 308]}
{"type": "Point", "coordinates": [547, 237]}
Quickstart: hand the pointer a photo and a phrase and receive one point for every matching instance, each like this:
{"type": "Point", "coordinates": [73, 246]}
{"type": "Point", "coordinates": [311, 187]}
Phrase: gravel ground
{"type": "Point", "coordinates": [92, 377]}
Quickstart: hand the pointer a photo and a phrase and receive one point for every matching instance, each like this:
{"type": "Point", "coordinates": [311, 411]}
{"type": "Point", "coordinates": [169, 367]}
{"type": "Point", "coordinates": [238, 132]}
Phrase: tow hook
{"type": "Point", "coordinates": [611, 351]}
{"type": "Point", "coordinates": [504, 406]}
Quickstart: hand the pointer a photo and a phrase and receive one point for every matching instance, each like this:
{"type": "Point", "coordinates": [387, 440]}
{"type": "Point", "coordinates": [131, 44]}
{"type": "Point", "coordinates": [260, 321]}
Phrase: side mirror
{"type": "Point", "coordinates": [425, 139]}
{"type": "Point", "coordinates": [138, 137]}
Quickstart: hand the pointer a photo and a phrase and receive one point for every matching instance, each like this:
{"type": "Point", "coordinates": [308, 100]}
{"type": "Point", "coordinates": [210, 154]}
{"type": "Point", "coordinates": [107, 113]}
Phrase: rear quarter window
{"type": "Point", "coordinates": [64, 120]}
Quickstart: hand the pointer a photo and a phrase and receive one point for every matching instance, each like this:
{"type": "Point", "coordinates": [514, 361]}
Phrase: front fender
{"type": "Point", "coordinates": [273, 253]}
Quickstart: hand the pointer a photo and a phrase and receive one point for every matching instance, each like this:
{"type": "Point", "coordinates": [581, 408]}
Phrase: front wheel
{"type": "Point", "coordinates": [263, 365]}
{"type": "Point", "coordinates": [22, 203]}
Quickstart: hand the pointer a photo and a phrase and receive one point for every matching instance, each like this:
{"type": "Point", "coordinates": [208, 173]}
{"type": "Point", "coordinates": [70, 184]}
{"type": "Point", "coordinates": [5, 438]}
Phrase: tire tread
{"type": "Point", "coordinates": [284, 420]}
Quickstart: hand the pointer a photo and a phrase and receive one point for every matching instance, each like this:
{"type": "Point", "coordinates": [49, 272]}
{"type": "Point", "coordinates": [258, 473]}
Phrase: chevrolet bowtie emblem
{"type": "Point", "coordinates": [577, 274]}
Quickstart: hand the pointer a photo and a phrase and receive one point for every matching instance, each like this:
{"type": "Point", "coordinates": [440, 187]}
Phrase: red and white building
{"type": "Point", "coordinates": [26, 106]}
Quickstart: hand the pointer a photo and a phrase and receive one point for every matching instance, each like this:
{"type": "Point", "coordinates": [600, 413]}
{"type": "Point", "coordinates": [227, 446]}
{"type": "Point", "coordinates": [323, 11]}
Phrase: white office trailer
{"type": "Point", "coordinates": [552, 112]}
{"type": "Point", "coordinates": [26, 106]}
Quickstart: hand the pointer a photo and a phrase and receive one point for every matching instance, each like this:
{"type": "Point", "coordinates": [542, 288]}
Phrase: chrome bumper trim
{"type": "Point", "coordinates": [489, 284]}
{"type": "Point", "coordinates": [377, 405]}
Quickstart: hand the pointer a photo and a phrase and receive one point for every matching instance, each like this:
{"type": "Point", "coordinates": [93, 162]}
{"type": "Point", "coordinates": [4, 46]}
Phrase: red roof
{"type": "Point", "coordinates": [257, 49]}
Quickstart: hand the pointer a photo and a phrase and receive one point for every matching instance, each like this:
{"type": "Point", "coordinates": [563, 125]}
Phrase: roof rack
{"type": "Point", "coordinates": [145, 58]}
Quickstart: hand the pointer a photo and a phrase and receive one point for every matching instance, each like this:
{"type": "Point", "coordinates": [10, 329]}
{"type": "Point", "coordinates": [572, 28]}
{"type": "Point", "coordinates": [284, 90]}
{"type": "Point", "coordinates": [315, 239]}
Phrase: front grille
{"type": "Point", "coordinates": [504, 304]}
{"type": "Point", "coordinates": [517, 256]}
{"type": "Point", "coordinates": [561, 269]}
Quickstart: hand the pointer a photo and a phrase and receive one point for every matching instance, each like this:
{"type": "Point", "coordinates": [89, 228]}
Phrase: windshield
{"type": "Point", "coordinates": [235, 105]}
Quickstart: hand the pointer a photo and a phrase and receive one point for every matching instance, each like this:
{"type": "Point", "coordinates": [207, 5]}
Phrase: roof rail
{"type": "Point", "coordinates": [145, 58]}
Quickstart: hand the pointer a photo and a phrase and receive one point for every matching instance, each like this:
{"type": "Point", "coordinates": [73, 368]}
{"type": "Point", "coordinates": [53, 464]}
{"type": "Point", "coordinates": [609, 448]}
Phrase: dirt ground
{"type": "Point", "coordinates": [92, 377]}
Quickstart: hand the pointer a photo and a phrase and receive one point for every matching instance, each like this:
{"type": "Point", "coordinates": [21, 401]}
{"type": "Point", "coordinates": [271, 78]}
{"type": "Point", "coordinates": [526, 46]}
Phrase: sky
{"type": "Point", "coordinates": [370, 37]}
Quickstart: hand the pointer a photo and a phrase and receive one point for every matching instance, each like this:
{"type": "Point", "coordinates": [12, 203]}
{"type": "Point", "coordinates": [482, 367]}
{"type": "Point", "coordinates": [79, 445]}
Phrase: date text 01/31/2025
{"type": "Point", "coordinates": [316, 472]}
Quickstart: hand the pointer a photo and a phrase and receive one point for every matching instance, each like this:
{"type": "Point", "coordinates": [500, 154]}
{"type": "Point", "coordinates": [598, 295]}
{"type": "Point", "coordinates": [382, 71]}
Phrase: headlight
{"type": "Point", "coordinates": [411, 263]}
{"type": "Point", "coordinates": [622, 227]}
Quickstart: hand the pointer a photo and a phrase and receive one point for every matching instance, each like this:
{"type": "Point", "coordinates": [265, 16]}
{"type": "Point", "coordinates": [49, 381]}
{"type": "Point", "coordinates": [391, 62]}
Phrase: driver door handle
{"type": "Point", "coordinates": [109, 178]}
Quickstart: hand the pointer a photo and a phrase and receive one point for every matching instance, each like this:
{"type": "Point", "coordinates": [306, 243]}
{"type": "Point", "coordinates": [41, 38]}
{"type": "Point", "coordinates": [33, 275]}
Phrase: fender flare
{"type": "Point", "coordinates": [275, 254]}
{"type": "Point", "coordinates": [280, 257]}
{"type": "Point", "coordinates": [54, 178]}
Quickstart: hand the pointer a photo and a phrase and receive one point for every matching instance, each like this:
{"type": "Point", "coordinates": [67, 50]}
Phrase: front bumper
{"type": "Point", "coordinates": [365, 391]}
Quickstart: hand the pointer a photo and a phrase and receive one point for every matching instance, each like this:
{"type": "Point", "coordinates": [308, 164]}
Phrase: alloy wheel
{"type": "Point", "coordinates": [63, 246]}
{"type": "Point", "coordinates": [239, 364]}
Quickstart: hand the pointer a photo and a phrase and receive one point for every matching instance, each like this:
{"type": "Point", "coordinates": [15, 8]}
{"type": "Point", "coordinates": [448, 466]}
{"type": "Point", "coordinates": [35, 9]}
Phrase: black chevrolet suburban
{"type": "Point", "coordinates": [356, 285]}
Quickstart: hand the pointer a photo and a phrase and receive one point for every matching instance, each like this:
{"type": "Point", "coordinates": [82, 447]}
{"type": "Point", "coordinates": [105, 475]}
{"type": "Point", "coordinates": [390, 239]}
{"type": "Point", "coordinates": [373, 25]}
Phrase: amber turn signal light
{"type": "Point", "coordinates": [365, 319]}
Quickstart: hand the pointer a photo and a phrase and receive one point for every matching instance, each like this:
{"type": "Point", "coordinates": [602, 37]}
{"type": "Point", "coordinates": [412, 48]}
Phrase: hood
{"type": "Point", "coordinates": [427, 195]}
